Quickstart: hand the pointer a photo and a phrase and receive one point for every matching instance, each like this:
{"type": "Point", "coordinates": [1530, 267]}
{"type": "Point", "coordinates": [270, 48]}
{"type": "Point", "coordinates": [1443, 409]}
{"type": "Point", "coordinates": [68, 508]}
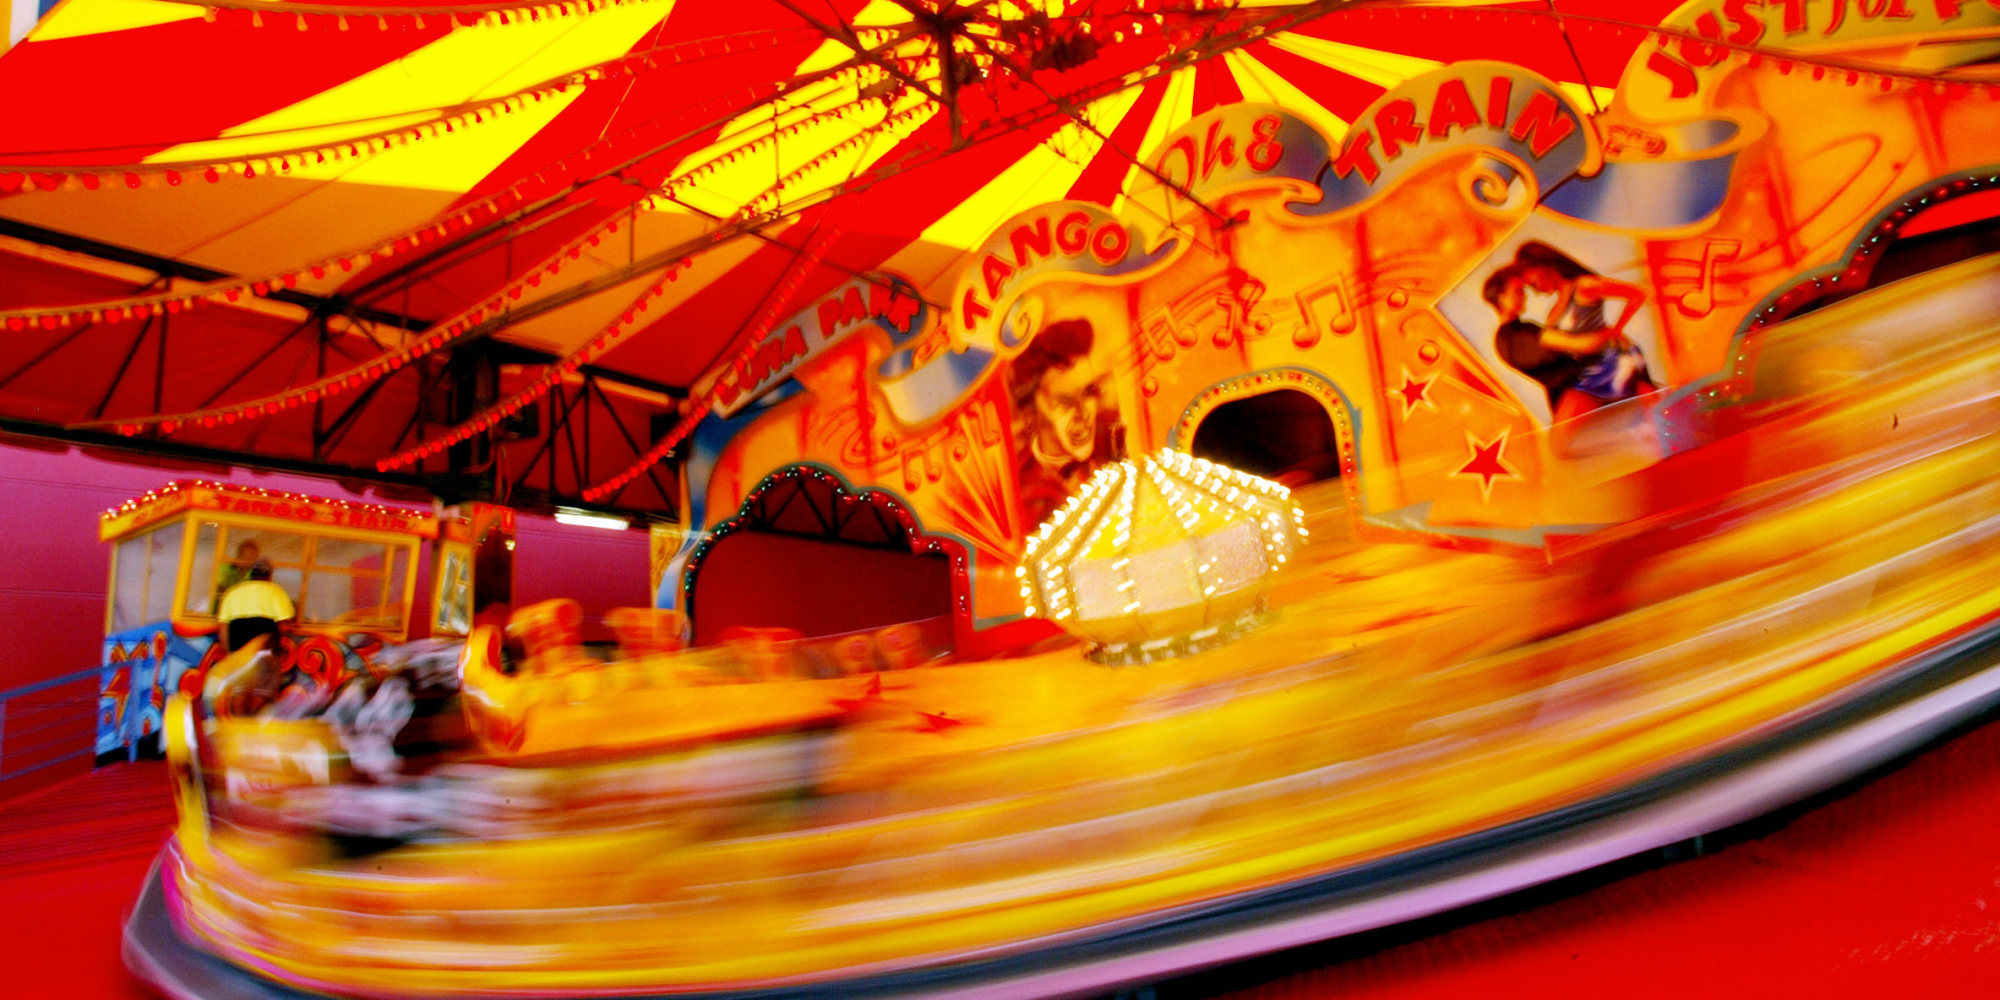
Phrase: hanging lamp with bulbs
{"type": "Point", "coordinates": [1160, 557]}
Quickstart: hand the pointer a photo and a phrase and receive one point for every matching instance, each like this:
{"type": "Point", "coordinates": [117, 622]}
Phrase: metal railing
{"type": "Point", "coordinates": [37, 733]}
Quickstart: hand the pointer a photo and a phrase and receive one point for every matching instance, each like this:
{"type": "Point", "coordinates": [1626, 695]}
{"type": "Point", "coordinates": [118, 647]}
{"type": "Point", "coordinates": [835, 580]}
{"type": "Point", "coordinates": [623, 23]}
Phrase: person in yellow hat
{"type": "Point", "coordinates": [254, 607]}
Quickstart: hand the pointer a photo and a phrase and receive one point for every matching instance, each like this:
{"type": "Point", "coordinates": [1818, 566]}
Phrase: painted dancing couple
{"type": "Point", "coordinates": [1578, 353]}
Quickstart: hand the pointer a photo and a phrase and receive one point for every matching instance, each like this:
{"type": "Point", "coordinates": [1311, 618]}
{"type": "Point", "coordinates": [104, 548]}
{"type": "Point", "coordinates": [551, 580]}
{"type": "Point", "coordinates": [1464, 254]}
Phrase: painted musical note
{"type": "Point", "coordinates": [1165, 332]}
{"type": "Point", "coordinates": [1701, 300]}
{"type": "Point", "coordinates": [913, 468]}
{"type": "Point", "coordinates": [1236, 303]}
{"type": "Point", "coordinates": [1331, 307]}
{"type": "Point", "coordinates": [987, 424]}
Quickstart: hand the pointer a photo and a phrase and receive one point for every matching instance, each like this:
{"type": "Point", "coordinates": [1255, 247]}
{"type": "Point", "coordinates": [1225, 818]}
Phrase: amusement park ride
{"type": "Point", "coordinates": [1375, 484]}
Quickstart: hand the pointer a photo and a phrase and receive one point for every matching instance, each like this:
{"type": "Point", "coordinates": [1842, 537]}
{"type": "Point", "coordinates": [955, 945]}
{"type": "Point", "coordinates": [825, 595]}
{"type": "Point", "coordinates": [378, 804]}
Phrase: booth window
{"type": "Point", "coordinates": [145, 570]}
{"type": "Point", "coordinates": [201, 599]}
{"type": "Point", "coordinates": [333, 581]}
{"type": "Point", "coordinates": [454, 600]}
{"type": "Point", "coordinates": [349, 583]}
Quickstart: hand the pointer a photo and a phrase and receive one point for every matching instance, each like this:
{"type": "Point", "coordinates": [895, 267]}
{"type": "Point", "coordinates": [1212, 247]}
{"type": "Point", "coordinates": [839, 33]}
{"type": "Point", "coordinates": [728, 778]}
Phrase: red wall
{"type": "Point", "coordinates": [601, 569]}
{"type": "Point", "coordinates": [820, 588]}
{"type": "Point", "coordinates": [53, 570]}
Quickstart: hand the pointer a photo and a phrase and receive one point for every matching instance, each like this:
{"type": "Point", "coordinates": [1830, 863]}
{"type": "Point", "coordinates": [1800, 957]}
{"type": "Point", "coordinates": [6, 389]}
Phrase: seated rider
{"type": "Point", "coordinates": [255, 608]}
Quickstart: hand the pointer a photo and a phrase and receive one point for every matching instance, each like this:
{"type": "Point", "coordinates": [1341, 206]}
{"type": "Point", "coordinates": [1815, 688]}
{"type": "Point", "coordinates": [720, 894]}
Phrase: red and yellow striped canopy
{"type": "Point", "coordinates": [263, 227]}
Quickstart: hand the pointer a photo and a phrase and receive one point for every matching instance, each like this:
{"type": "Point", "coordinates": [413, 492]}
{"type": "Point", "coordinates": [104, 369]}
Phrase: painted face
{"type": "Point", "coordinates": [1542, 279]}
{"type": "Point", "coordinates": [1067, 402]}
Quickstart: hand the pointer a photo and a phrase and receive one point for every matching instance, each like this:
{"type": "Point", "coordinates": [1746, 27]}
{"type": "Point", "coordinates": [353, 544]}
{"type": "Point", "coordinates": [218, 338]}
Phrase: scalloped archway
{"type": "Point", "coordinates": [807, 552]}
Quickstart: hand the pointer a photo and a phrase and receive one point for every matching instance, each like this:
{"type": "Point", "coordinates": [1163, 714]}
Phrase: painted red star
{"type": "Point", "coordinates": [1415, 393]}
{"type": "Point", "coordinates": [1486, 463]}
{"type": "Point", "coordinates": [938, 722]}
{"type": "Point", "coordinates": [870, 696]}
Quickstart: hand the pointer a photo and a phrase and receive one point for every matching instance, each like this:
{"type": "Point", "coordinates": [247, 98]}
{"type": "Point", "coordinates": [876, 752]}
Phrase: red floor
{"type": "Point", "coordinates": [1890, 889]}
{"type": "Point", "coordinates": [71, 859]}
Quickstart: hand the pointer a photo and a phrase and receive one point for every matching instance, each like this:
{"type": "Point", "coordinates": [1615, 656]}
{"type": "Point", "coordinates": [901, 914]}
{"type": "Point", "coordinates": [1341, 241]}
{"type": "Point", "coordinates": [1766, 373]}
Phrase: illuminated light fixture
{"type": "Point", "coordinates": [1162, 557]}
{"type": "Point", "coordinates": [586, 519]}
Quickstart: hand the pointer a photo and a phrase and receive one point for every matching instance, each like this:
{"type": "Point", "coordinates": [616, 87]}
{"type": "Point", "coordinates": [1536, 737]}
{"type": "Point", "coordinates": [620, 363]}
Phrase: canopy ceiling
{"type": "Point", "coordinates": [495, 249]}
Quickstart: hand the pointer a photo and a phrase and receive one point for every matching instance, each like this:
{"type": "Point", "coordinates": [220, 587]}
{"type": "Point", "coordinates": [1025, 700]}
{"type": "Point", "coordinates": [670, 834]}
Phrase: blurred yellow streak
{"type": "Point", "coordinates": [1403, 698]}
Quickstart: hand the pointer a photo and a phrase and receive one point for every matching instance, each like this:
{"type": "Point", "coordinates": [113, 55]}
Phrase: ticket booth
{"type": "Point", "coordinates": [350, 569]}
{"type": "Point", "coordinates": [474, 579]}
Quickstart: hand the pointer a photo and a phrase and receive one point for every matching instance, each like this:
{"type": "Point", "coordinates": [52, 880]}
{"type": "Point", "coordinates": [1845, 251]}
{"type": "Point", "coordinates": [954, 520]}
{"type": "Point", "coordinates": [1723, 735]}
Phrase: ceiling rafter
{"type": "Point", "coordinates": [935, 43]}
{"type": "Point", "coordinates": [1082, 120]}
{"type": "Point", "coordinates": [500, 228]}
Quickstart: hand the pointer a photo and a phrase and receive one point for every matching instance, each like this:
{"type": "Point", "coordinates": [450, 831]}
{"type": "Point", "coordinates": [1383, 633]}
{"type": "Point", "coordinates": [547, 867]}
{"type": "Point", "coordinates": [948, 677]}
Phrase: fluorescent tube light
{"type": "Point", "coordinates": [584, 519]}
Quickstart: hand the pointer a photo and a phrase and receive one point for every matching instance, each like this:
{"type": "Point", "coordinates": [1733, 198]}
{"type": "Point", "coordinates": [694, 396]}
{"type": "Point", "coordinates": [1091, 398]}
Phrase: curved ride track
{"type": "Point", "coordinates": [1418, 729]}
